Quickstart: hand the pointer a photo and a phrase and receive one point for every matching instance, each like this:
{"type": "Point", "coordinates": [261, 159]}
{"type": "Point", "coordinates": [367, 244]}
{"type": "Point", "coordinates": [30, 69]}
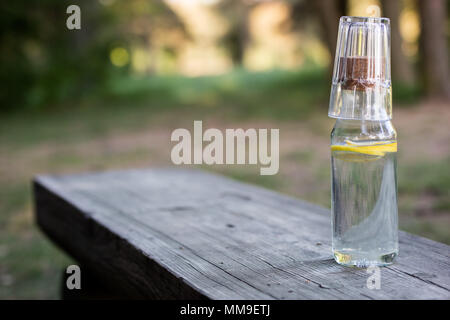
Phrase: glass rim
{"type": "Point", "coordinates": [359, 19]}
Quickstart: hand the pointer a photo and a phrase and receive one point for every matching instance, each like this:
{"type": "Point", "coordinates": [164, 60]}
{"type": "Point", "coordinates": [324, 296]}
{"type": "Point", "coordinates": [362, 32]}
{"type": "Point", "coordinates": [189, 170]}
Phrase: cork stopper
{"type": "Point", "coordinates": [361, 87]}
{"type": "Point", "coordinates": [360, 73]}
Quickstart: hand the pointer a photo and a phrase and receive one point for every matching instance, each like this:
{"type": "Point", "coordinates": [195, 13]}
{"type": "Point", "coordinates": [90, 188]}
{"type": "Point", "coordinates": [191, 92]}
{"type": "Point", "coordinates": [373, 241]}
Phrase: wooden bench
{"type": "Point", "coordinates": [178, 233]}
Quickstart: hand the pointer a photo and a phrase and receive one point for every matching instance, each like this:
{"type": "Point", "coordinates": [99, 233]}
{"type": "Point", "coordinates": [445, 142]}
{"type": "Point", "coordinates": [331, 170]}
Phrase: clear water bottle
{"type": "Point", "coordinates": [363, 146]}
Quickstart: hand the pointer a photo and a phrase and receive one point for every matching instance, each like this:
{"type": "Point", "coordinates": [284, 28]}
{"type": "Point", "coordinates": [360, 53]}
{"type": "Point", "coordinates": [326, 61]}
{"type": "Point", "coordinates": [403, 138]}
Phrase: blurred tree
{"type": "Point", "coordinates": [17, 26]}
{"type": "Point", "coordinates": [433, 45]}
{"type": "Point", "coordinates": [237, 37]}
{"type": "Point", "coordinates": [154, 34]}
{"type": "Point", "coordinates": [328, 13]}
{"type": "Point", "coordinates": [42, 62]}
{"type": "Point", "coordinates": [325, 14]}
{"type": "Point", "coordinates": [401, 68]}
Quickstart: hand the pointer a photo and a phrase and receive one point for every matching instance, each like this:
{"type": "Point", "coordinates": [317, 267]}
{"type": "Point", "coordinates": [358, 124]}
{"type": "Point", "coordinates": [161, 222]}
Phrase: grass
{"type": "Point", "coordinates": [427, 178]}
{"type": "Point", "coordinates": [277, 94]}
{"type": "Point", "coordinates": [130, 103]}
{"type": "Point", "coordinates": [128, 125]}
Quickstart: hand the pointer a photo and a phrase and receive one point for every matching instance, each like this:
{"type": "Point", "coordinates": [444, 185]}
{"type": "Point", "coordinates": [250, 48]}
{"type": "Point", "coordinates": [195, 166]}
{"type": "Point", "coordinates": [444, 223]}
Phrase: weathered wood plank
{"type": "Point", "coordinates": [176, 233]}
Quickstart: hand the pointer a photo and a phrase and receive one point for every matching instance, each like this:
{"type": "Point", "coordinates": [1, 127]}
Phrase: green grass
{"type": "Point", "coordinates": [31, 268]}
{"type": "Point", "coordinates": [275, 93]}
{"type": "Point", "coordinates": [13, 198]}
{"type": "Point", "coordinates": [304, 156]}
{"type": "Point", "coordinates": [427, 179]}
{"type": "Point", "coordinates": [131, 103]}
{"type": "Point", "coordinates": [405, 94]}
{"type": "Point", "coordinates": [435, 228]}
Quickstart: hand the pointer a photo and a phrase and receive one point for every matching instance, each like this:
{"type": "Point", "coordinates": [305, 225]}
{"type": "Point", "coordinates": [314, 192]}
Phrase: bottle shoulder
{"type": "Point", "coordinates": [357, 130]}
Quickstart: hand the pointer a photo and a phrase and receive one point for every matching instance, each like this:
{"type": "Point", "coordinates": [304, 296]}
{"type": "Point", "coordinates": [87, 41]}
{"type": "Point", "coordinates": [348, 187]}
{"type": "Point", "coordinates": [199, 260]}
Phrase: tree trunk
{"type": "Point", "coordinates": [434, 49]}
{"type": "Point", "coordinates": [401, 68]}
{"type": "Point", "coordinates": [236, 12]}
{"type": "Point", "coordinates": [329, 12]}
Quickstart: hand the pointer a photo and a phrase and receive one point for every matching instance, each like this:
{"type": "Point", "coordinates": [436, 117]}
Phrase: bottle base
{"type": "Point", "coordinates": [362, 261]}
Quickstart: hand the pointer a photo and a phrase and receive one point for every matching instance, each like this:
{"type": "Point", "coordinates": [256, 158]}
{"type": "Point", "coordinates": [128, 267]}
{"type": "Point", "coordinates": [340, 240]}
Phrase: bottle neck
{"type": "Point", "coordinates": [363, 130]}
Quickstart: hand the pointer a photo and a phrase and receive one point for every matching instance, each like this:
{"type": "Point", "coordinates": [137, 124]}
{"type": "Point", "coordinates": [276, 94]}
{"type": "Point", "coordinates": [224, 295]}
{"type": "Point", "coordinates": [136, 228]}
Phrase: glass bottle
{"type": "Point", "coordinates": [363, 146]}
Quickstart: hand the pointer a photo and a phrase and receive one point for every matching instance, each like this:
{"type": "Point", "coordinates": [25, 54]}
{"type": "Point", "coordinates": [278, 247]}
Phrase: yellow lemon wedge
{"type": "Point", "coordinates": [373, 148]}
{"type": "Point", "coordinates": [342, 258]}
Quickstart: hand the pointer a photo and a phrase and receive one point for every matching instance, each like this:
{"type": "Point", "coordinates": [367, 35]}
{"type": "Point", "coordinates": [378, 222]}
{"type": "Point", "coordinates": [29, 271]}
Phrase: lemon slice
{"type": "Point", "coordinates": [367, 143]}
{"type": "Point", "coordinates": [342, 257]}
{"type": "Point", "coordinates": [372, 148]}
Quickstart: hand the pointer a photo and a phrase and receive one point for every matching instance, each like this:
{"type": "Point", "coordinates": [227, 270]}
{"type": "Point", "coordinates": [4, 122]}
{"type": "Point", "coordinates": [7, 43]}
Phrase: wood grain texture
{"type": "Point", "coordinates": [178, 233]}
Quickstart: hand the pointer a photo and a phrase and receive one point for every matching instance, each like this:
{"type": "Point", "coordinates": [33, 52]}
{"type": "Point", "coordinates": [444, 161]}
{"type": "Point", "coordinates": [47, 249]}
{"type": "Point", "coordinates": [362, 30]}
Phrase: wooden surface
{"type": "Point", "coordinates": [177, 233]}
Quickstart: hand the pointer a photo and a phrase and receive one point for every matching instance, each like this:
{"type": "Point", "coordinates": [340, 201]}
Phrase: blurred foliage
{"type": "Point", "coordinates": [43, 62]}
{"type": "Point", "coordinates": [44, 65]}
{"type": "Point", "coordinates": [275, 94]}
{"type": "Point", "coordinates": [406, 93]}
{"type": "Point", "coordinates": [427, 179]}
